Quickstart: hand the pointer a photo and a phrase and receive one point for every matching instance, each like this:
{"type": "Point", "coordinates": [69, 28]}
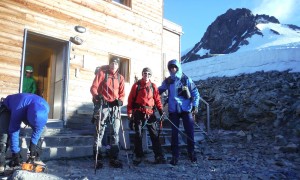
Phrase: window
{"type": "Point", "coordinates": [124, 2]}
{"type": "Point", "coordinates": [124, 68]}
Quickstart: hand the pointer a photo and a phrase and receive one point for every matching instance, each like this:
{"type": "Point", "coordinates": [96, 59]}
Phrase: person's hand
{"type": "Point", "coordinates": [30, 159]}
{"type": "Point", "coordinates": [129, 115]}
{"type": "Point", "coordinates": [194, 109]}
{"type": "Point", "coordinates": [120, 103]}
{"type": "Point", "coordinates": [161, 112]}
{"type": "Point", "coordinates": [16, 160]}
{"type": "Point", "coordinates": [96, 99]}
{"type": "Point", "coordinates": [32, 149]}
{"type": "Point", "coordinates": [131, 124]}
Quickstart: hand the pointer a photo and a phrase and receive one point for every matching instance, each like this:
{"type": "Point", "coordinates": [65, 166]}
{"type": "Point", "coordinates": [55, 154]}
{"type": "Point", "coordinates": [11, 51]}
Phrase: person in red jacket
{"type": "Point", "coordinates": [108, 92]}
{"type": "Point", "coordinates": [142, 100]}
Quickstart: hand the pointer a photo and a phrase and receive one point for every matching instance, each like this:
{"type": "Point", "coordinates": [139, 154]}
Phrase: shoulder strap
{"type": "Point", "coordinates": [139, 87]}
{"type": "Point", "coordinates": [106, 76]}
{"type": "Point", "coordinates": [183, 79]}
{"type": "Point", "coordinates": [137, 90]}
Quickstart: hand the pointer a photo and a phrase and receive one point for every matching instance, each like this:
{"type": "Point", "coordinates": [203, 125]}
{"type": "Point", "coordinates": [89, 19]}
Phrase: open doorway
{"type": "Point", "coordinates": [49, 58]}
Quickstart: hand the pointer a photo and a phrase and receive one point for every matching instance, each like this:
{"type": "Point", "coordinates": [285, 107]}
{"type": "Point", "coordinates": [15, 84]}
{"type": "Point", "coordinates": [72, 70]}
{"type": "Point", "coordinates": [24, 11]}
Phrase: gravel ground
{"type": "Point", "coordinates": [231, 155]}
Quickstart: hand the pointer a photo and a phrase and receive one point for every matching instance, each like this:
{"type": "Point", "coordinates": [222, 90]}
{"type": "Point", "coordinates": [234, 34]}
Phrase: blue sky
{"type": "Point", "coordinates": [196, 15]}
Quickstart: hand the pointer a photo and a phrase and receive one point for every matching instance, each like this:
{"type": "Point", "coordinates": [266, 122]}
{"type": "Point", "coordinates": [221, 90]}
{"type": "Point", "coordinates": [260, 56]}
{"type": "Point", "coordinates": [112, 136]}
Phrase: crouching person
{"type": "Point", "coordinates": [143, 97]}
{"type": "Point", "coordinates": [33, 111]}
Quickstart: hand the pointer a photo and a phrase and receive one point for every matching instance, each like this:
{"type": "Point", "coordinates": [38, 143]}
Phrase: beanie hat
{"type": "Point", "coordinates": [146, 69]}
{"type": "Point", "coordinates": [114, 60]}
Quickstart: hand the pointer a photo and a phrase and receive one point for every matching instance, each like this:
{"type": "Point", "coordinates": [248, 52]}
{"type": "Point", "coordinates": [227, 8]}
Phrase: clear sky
{"type": "Point", "coordinates": [196, 15]}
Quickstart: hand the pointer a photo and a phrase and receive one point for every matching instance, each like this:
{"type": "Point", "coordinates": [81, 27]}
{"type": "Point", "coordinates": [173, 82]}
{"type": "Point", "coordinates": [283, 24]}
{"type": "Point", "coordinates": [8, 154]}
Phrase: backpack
{"type": "Point", "coordinates": [183, 91]}
{"type": "Point", "coordinates": [183, 80]}
{"type": "Point", "coordinates": [139, 88]}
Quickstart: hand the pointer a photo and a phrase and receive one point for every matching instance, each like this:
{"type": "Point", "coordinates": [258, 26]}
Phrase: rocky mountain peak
{"type": "Point", "coordinates": [227, 33]}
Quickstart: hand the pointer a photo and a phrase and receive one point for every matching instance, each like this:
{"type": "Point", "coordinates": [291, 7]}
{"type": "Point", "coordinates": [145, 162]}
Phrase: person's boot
{"type": "Point", "coordinates": [192, 157]}
{"type": "Point", "coordinates": [160, 160]}
{"type": "Point", "coordinates": [99, 164]}
{"type": "Point", "coordinates": [16, 160]}
{"type": "Point", "coordinates": [2, 163]}
{"type": "Point", "coordinates": [137, 160]}
{"type": "Point", "coordinates": [115, 163]}
{"type": "Point", "coordinates": [174, 161]}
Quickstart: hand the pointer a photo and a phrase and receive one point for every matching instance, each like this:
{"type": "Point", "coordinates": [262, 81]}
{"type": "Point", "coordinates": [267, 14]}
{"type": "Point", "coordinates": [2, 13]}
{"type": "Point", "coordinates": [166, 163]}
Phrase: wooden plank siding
{"type": "Point", "coordinates": [135, 33]}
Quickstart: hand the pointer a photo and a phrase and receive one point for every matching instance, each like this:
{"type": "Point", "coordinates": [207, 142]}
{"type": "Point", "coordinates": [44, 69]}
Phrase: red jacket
{"type": "Point", "coordinates": [144, 97]}
{"type": "Point", "coordinates": [111, 89]}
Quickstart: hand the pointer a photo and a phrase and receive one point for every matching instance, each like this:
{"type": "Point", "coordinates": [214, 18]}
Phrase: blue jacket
{"type": "Point", "coordinates": [30, 109]}
{"type": "Point", "coordinates": [178, 103]}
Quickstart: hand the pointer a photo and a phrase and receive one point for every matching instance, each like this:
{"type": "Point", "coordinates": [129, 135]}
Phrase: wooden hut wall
{"type": "Point", "coordinates": [132, 32]}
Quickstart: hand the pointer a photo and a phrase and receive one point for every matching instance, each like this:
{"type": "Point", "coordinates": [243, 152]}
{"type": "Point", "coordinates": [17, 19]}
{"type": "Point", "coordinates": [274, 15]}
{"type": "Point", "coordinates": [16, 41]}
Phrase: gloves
{"type": "Point", "coordinates": [116, 102]}
{"type": "Point", "coordinates": [131, 125]}
{"type": "Point", "coordinates": [32, 149]}
{"type": "Point", "coordinates": [195, 109]}
{"type": "Point", "coordinates": [96, 99]}
{"type": "Point", "coordinates": [30, 160]}
{"type": "Point", "coordinates": [161, 112]}
{"type": "Point", "coordinates": [16, 160]}
{"type": "Point", "coordinates": [32, 154]}
{"type": "Point", "coordinates": [120, 103]}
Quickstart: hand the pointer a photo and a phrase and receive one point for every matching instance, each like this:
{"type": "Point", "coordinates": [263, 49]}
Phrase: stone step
{"type": "Point", "coordinates": [61, 140]}
{"type": "Point", "coordinates": [67, 152]}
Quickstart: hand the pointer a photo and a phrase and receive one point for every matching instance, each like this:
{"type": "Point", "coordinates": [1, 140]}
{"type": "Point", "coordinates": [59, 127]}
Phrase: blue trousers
{"type": "Point", "coordinates": [188, 124]}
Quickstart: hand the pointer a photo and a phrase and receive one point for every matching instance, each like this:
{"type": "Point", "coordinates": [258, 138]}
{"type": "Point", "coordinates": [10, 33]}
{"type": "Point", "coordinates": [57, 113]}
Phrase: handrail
{"type": "Point", "coordinates": [207, 112]}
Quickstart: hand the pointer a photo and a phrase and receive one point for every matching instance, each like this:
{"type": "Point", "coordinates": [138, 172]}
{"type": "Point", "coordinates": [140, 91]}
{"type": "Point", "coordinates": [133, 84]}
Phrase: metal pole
{"type": "Point", "coordinates": [208, 117]}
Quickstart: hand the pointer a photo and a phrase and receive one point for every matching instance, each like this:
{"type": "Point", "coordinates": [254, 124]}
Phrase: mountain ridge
{"type": "Point", "coordinates": [233, 31]}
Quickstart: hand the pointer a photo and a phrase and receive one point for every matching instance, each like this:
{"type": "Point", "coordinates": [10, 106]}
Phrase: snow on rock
{"type": "Point", "coordinates": [280, 58]}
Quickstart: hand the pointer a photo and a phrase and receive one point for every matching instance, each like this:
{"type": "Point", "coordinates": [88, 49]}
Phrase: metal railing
{"type": "Point", "coordinates": [207, 114]}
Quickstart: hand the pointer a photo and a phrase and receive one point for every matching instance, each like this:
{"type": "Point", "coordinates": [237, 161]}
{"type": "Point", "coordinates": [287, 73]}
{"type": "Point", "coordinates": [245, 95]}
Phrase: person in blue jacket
{"type": "Point", "coordinates": [33, 111]}
{"type": "Point", "coordinates": [183, 101]}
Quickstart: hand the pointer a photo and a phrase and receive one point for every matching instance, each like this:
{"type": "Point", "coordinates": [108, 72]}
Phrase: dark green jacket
{"type": "Point", "coordinates": [29, 85]}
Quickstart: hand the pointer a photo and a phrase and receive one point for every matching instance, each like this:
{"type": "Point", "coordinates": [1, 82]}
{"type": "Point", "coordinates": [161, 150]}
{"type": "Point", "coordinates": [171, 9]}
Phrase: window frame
{"type": "Point", "coordinates": [127, 3]}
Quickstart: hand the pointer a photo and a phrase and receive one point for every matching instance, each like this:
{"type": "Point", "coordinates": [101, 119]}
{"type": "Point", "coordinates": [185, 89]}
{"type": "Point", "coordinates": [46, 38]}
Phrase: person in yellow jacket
{"type": "Point", "coordinates": [29, 84]}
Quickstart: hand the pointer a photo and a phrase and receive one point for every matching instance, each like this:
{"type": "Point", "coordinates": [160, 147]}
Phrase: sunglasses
{"type": "Point", "coordinates": [172, 66]}
{"type": "Point", "coordinates": [147, 73]}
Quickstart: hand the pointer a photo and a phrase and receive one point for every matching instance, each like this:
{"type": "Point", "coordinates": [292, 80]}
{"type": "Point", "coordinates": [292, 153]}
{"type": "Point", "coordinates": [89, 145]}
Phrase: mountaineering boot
{"type": "Point", "coordinates": [136, 161]}
{"type": "Point", "coordinates": [192, 157]}
{"type": "Point", "coordinates": [160, 160]}
{"type": "Point", "coordinates": [2, 158]}
{"type": "Point", "coordinates": [174, 161]}
{"type": "Point", "coordinates": [16, 160]}
{"type": "Point", "coordinates": [115, 163]}
{"type": "Point", "coordinates": [99, 164]}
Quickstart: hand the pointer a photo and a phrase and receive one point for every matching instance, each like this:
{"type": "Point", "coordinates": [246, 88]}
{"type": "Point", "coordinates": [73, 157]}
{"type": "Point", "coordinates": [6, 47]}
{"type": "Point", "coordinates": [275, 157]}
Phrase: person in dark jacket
{"type": "Point", "coordinates": [143, 97]}
{"type": "Point", "coordinates": [29, 84]}
{"type": "Point", "coordinates": [183, 100]}
{"type": "Point", "coordinates": [33, 111]}
{"type": "Point", "coordinates": [108, 91]}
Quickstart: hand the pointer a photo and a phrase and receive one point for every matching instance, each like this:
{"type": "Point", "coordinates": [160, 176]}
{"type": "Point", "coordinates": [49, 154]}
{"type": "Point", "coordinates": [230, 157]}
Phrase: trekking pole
{"type": "Point", "coordinates": [180, 130]}
{"type": "Point", "coordinates": [160, 124]}
{"type": "Point", "coordinates": [98, 136]}
{"type": "Point", "coordinates": [125, 144]}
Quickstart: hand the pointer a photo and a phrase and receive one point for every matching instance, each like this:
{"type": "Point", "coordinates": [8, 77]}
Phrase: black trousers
{"type": "Point", "coordinates": [140, 119]}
